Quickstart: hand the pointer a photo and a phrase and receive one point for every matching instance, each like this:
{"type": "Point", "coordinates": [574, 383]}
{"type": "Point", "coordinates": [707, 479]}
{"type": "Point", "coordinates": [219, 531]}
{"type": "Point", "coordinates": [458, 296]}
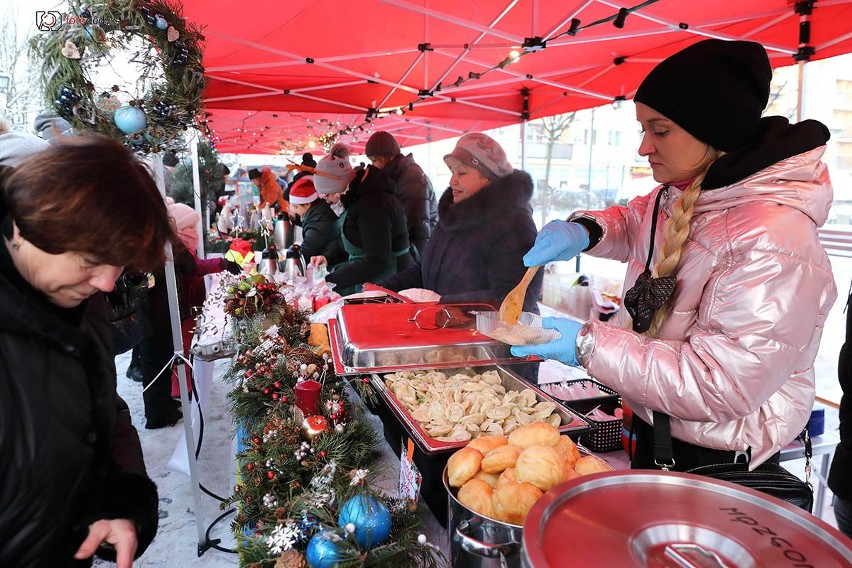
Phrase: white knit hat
{"type": "Point", "coordinates": [334, 172]}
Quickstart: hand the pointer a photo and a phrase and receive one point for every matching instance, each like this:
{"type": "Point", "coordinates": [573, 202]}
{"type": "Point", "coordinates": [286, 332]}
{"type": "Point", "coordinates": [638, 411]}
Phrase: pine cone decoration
{"type": "Point", "coordinates": [291, 559]}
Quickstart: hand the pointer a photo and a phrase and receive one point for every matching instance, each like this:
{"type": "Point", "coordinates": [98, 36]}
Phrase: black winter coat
{"type": "Point", "coordinates": [414, 190]}
{"type": "Point", "coordinates": [840, 475]}
{"type": "Point", "coordinates": [476, 251]}
{"type": "Point", "coordinates": [375, 222]}
{"type": "Point", "coordinates": [321, 234]}
{"type": "Point", "coordinates": [69, 454]}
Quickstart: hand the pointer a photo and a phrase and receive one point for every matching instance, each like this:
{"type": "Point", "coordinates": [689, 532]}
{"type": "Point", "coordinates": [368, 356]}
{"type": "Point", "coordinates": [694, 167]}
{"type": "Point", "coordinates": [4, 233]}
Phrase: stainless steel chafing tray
{"type": "Point", "coordinates": [573, 423]}
{"type": "Point", "coordinates": [390, 337]}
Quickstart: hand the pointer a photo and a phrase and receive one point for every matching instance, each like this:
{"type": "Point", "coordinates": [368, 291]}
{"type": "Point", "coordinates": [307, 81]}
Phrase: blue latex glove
{"type": "Point", "coordinates": [562, 349]}
{"type": "Point", "coordinates": [558, 240]}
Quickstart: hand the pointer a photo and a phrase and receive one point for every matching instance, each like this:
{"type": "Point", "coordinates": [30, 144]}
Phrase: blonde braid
{"type": "Point", "coordinates": [677, 232]}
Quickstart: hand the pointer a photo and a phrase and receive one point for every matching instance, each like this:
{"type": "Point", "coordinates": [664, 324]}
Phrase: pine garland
{"type": "Point", "coordinates": [293, 480]}
{"type": "Point", "coordinates": [172, 98]}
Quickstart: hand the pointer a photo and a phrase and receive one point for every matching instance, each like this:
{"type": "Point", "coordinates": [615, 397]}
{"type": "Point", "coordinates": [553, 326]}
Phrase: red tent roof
{"type": "Point", "coordinates": [281, 74]}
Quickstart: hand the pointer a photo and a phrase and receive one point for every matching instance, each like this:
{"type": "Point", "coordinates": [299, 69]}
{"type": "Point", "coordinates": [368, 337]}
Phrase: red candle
{"type": "Point", "coordinates": [307, 396]}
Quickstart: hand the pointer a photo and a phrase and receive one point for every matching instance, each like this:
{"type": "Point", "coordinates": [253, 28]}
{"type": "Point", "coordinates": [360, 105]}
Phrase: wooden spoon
{"type": "Point", "coordinates": [510, 309]}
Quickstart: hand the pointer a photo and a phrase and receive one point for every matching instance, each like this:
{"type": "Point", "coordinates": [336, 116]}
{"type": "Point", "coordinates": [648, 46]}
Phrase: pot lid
{"type": "Point", "coordinates": [657, 519]}
{"type": "Point", "coordinates": [429, 335]}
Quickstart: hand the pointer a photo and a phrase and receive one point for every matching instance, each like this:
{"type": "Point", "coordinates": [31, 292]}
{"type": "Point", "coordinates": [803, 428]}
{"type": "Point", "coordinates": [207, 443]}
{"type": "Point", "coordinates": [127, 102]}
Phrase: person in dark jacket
{"type": "Point", "coordinates": [72, 476]}
{"type": "Point", "coordinates": [411, 186]}
{"type": "Point", "coordinates": [484, 228]}
{"type": "Point", "coordinates": [840, 474]}
{"type": "Point", "coordinates": [320, 230]}
{"type": "Point", "coordinates": [373, 227]}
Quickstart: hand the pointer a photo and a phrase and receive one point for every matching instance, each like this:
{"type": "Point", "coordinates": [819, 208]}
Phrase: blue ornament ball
{"type": "Point", "coordinates": [371, 518]}
{"type": "Point", "coordinates": [130, 119]}
{"type": "Point", "coordinates": [323, 551]}
{"type": "Point", "coordinates": [161, 22]}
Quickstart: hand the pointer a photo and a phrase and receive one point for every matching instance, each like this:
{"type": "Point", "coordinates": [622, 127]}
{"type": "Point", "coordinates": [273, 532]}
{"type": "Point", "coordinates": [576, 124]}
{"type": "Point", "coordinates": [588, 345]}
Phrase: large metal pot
{"type": "Point", "coordinates": [477, 541]}
{"type": "Point", "coordinates": [667, 519]}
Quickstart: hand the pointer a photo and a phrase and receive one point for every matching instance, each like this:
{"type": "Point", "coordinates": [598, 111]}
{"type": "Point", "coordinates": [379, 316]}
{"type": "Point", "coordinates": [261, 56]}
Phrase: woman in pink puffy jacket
{"type": "Point", "coordinates": [727, 285]}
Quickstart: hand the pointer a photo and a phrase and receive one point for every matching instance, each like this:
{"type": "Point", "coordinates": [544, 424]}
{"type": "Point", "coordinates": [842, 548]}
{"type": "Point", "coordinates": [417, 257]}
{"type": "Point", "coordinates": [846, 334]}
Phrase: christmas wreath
{"type": "Point", "coordinates": [156, 36]}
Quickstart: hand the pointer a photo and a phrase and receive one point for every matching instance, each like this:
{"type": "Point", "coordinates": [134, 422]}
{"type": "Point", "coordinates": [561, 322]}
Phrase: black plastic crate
{"type": "Point", "coordinates": [607, 434]}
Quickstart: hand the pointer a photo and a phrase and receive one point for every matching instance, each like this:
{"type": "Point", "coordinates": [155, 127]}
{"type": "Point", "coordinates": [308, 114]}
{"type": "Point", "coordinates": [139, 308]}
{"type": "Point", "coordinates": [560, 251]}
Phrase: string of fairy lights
{"type": "Point", "coordinates": [334, 130]}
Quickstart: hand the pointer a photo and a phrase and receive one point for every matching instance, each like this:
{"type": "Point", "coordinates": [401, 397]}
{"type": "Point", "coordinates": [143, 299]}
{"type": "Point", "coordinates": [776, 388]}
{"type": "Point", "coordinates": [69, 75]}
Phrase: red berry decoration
{"type": "Point", "coordinates": [250, 466]}
{"type": "Point", "coordinates": [275, 396]}
{"type": "Point", "coordinates": [266, 391]}
{"type": "Point", "coordinates": [270, 474]}
{"type": "Point", "coordinates": [334, 417]}
{"type": "Point", "coordinates": [277, 384]}
{"type": "Point", "coordinates": [322, 453]}
{"type": "Point", "coordinates": [283, 399]}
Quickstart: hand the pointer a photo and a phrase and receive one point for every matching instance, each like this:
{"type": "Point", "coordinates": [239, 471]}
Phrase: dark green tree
{"type": "Point", "coordinates": [212, 175]}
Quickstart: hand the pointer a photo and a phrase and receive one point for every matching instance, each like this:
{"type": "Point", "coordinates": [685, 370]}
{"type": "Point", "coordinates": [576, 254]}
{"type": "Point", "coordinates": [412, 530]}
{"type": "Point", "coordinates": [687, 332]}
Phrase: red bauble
{"type": "Point", "coordinates": [256, 440]}
{"type": "Point", "coordinates": [277, 384]}
{"type": "Point", "coordinates": [270, 474]}
{"type": "Point", "coordinates": [250, 466]}
{"type": "Point", "coordinates": [266, 391]}
{"type": "Point", "coordinates": [275, 396]}
{"type": "Point", "coordinates": [322, 453]}
{"type": "Point", "coordinates": [283, 399]}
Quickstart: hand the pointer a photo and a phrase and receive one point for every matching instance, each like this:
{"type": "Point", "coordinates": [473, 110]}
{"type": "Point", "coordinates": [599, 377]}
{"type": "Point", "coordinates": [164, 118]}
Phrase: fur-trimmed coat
{"type": "Point", "coordinates": [476, 252]}
{"type": "Point", "coordinates": [69, 454]}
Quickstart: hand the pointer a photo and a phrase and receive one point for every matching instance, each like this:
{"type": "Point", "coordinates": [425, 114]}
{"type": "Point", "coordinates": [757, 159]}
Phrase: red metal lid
{"type": "Point", "coordinates": [657, 519]}
{"type": "Point", "coordinates": [393, 337]}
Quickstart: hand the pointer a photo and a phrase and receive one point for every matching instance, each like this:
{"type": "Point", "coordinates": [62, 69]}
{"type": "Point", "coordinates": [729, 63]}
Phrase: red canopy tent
{"type": "Point", "coordinates": [281, 75]}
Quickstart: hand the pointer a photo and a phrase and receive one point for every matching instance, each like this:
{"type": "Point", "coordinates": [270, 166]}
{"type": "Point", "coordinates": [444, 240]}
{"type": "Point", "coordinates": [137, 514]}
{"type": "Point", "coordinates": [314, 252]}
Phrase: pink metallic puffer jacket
{"type": "Point", "coordinates": [733, 365]}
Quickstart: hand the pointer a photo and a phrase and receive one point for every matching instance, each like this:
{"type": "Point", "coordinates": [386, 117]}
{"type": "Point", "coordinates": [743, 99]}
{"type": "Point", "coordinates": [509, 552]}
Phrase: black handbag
{"type": "Point", "coordinates": [769, 477]}
{"type": "Point", "coordinates": [126, 308]}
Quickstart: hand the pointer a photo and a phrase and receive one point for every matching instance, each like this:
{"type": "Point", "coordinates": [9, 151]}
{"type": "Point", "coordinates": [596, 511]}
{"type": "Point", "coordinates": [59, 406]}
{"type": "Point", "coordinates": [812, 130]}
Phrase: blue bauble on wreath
{"type": "Point", "coordinates": [323, 551]}
{"type": "Point", "coordinates": [371, 519]}
{"type": "Point", "coordinates": [130, 119]}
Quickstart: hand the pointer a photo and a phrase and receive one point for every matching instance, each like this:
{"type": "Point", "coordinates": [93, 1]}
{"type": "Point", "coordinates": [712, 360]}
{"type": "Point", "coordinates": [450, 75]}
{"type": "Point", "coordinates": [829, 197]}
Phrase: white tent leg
{"type": "Point", "coordinates": [800, 99]}
{"type": "Point", "coordinates": [196, 192]}
{"type": "Point", "coordinates": [177, 341]}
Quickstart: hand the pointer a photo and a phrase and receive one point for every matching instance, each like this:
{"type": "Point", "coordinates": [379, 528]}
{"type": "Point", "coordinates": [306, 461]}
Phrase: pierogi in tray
{"type": "Point", "coordinates": [457, 406]}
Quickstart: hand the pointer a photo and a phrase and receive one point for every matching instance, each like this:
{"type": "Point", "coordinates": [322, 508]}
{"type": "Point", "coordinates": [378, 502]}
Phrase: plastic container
{"type": "Point", "coordinates": [527, 331]}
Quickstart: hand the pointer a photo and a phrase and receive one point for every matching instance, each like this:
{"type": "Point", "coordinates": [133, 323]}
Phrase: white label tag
{"type": "Point", "coordinates": [409, 475]}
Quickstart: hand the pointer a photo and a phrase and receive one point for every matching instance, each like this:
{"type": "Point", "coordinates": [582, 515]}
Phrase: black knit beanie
{"type": "Point", "coordinates": [714, 89]}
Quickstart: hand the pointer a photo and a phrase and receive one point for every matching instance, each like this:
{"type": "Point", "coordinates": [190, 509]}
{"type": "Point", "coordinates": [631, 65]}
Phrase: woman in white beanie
{"type": "Point", "coordinates": [374, 231]}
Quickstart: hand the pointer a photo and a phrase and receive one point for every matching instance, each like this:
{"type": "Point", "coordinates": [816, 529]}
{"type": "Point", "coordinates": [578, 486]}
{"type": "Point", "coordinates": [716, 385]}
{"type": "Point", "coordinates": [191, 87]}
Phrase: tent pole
{"type": "Point", "coordinates": [196, 192]}
{"type": "Point", "coordinates": [524, 145]}
{"type": "Point", "coordinates": [800, 100]}
{"type": "Point", "coordinates": [177, 343]}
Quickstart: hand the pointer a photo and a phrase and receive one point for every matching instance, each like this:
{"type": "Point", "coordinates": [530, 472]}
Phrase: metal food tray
{"type": "Point", "coordinates": [393, 337]}
{"type": "Point", "coordinates": [572, 422]}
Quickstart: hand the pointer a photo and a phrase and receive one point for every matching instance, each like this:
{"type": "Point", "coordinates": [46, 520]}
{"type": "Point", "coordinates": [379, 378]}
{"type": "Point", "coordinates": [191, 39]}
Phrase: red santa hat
{"type": "Point", "coordinates": [303, 191]}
